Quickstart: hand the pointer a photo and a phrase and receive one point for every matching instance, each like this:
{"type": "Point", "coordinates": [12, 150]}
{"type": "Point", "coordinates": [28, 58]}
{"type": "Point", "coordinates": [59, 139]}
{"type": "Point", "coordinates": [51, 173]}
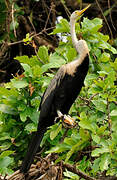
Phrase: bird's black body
{"type": "Point", "coordinates": [60, 95]}
{"type": "Point", "coordinates": [64, 90]}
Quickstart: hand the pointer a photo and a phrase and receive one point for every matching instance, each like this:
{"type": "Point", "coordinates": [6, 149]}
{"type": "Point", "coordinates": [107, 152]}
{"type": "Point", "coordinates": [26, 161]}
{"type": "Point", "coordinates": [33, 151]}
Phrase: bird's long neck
{"type": "Point", "coordinates": [73, 33]}
{"type": "Point", "coordinates": [81, 49]}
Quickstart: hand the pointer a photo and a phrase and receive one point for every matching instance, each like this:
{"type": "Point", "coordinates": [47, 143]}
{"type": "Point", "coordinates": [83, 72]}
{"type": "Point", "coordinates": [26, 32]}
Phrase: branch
{"type": "Point", "coordinates": [88, 101]}
{"type": "Point", "coordinates": [73, 169]}
{"type": "Point", "coordinates": [13, 20]}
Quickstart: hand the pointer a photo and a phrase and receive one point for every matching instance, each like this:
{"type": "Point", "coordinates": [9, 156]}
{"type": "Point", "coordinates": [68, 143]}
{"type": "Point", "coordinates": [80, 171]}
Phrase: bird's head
{"type": "Point", "coordinates": [77, 13]}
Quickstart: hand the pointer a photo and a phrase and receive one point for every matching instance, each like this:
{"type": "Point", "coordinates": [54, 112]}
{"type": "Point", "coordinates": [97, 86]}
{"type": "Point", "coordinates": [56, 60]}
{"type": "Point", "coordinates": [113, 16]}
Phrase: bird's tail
{"type": "Point", "coordinates": [33, 147]}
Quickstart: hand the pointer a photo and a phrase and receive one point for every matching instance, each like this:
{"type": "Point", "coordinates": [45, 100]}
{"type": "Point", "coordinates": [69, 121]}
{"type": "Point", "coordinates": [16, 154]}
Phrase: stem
{"type": "Point", "coordinates": [108, 116]}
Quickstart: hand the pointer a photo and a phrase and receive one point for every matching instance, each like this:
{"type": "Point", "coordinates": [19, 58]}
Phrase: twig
{"type": "Point", "coordinates": [38, 57]}
{"type": "Point", "coordinates": [3, 49]}
{"type": "Point", "coordinates": [44, 30]}
{"type": "Point", "coordinates": [32, 24]}
{"type": "Point", "coordinates": [17, 42]}
{"type": "Point", "coordinates": [73, 169]}
{"type": "Point", "coordinates": [46, 9]}
{"type": "Point", "coordinates": [87, 101]}
{"type": "Point", "coordinates": [34, 35]}
{"type": "Point", "coordinates": [66, 9]}
{"type": "Point", "coordinates": [12, 15]}
{"type": "Point", "coordinates": [108, 116]}
{"type": "Point", "coordinates": [8, 17]}
{"type": "Point", "coordinates": [93, 96]}
{"type": "Point", "coordinates": [111, 16]}
{"type": "Point", "coordinates": [105, 19]}
{"type": "Point", "coordinates": [48, 18]}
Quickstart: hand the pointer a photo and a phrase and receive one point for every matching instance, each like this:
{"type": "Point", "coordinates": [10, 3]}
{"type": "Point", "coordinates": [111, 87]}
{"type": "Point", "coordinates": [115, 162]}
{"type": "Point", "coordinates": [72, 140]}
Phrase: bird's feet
{"type": "Point", "coordinates": [66, 119]}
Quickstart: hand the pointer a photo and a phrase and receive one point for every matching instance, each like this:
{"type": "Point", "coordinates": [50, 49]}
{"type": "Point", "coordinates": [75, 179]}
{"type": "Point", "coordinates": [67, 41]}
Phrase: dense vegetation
{"type": "Point", "coordinates": [92, 143]}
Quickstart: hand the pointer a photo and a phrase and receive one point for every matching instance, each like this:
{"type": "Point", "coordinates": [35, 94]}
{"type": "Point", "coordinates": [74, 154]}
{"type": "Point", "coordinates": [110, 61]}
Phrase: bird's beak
{"type": "Point", "coordinates": [80, 12]}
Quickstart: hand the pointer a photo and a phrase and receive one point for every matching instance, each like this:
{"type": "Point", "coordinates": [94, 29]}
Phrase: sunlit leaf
{"type": "Point", "coordinates": [6, 153]}
{"type": "Point", "coordinates": [61, 27]}
{"type": "Point", "coordinates": [105, 161]}
{"type": "Point", "coordinates": [113, 113]}
{"type": "Point", "coordinates": [55, 132]}
{"type": "Point", "coordinates": [43, 53]}
{"type": "Point", "coordinates": [7, 109]}
{"type": "Point", "coordinates": [19, 83]}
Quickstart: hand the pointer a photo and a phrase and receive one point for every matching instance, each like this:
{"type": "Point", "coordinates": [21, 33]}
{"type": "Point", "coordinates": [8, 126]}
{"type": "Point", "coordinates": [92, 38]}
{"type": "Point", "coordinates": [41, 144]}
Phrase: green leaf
{"type": "Point", "coordinates": [5, 145]}
{"type": "Point", "coordinates": [96, 138]}
{"type": "Point", "coordinates": [114, 136]}
{"type": "Point", "coordinates": [84, 123]}
{"type": "Point", "coordinates": [91, 25]}
{"type": "Point", "coordinates": [104, 57]}
{"type": "Point", "coordinates": [114, 64]}
{"type": "Point", "coordinates": [19, 83]}
{"type": "Point", "coordinates": [78, 146]}
{"type": "Point", "coordinates": [23, 116]}
{"type": "Point", "coordinates": [71, 54]}
{"type": "Point", "coordinates": [55, 132]}
{"type": "Point", "coordinates": [5, 162]}
{"type": "Point", "coordinates": [34, 116]}
{"type": "Point", "coordinates": [62, 27]}
{"type": "Point", "coordinates": [36, 71]}
{"type": "Point", "coordinates": [27, 112]}
{"type": "Point", "coordinates": [4, 171]}
{"type": "Point", "coordinates": [105, 45]}
{"type": "Point", "coordinates": [5, 136]}
{"type": "Point", "coordinates": [5, 92]}
{"type": "Point", "coordinates": [101, 130]}
{"type": "Point", "coordinates": [59, 148]}
{"type": "Point", "coordinates": [97, 21]}
{"type": "Point", "coordinates": [43, 53]}
{"type": "Point", "coordinates": [56, 61]}
{"type": "Point", "coordinates": [100, 105]}
{"type": "Point", "coordinates": [95, 166]}
{"type": "Point", "coordinates": [102, 37]}
{"type": "Point", "coordinates": [31, 127]}
{"type": "Point", "coordinates": [7, 109]}
{"type": "Point", "coordinates": [105, 161]}
{"type": "Point", "coordinates": [23, 59]}
{"type": "Point", "coordinates": [28, 70]}
{"type": "Point", "coordinates": [27, 39]}
{"type": "Point", "coordinates": [6, 153]}
{"type": "Point", "coordinates": [70, 175]}
{"type": "Point", "coordinates": [55, 57]}
{"type": "Point", "coordinates": [113, 113]}
{"type": "Point", "coordinates": [69, 141]}
{"type": "Point", "coordinates": [33, 61]}
{"type": "Point", "coordinates": [102, 73]}
{"type": "Point", "coordinates": [98, 151]}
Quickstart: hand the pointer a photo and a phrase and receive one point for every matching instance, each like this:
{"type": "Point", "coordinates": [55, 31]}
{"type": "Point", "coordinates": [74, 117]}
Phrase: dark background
{"type": "Point", "coordinates": [38, 17]}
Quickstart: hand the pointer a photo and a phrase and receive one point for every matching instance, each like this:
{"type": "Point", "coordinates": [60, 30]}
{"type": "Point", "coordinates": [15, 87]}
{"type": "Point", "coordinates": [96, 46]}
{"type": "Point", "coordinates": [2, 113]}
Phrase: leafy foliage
{"type": "Point", "coordinates": [92, 143]}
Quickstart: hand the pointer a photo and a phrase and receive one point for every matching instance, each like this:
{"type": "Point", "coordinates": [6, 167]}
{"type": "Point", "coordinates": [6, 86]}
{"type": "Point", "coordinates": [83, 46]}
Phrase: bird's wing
{"type": "Point", "coordinates": [52, 86]}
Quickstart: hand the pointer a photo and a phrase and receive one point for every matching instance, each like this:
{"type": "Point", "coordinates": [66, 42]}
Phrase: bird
{"type": "Point", "coordinates": [61, 92]}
